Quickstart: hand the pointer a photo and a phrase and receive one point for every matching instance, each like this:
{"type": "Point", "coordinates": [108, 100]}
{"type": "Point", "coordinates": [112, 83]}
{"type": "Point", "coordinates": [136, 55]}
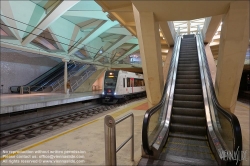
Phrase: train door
{"type": "Point", "coordinates": [132, 84]}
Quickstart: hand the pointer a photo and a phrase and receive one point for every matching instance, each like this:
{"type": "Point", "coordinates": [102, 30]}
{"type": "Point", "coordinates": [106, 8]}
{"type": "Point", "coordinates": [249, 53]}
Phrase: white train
{"type": "Point", "coordinates": [121, 85]}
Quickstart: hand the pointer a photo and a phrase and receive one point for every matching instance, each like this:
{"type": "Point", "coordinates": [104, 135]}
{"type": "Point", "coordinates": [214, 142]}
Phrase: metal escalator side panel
{"type": "Point", "coordinates": [163, 135]}
{"type": "Point", "coordinates": [35, 81]}
{"type": "Point", "coordinates": [213, 112]}
{"type": "Point", "coordinates": [210, 129]}
{"type": "Point", "coordinates": [163, 122]}
{"type": "Point", "coordinates": [54, 77]}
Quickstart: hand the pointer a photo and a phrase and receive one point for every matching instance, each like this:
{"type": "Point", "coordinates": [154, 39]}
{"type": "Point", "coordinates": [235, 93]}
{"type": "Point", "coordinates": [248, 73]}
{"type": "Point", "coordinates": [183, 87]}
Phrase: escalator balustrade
{"type": "Point", "coordinates": [187, 139]}
{"type": "Point", "coordinates": [188, 126]}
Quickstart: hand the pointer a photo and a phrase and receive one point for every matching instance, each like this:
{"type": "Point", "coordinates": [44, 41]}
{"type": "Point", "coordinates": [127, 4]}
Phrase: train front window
{"type": "Point", "coordinates": [110, 82]}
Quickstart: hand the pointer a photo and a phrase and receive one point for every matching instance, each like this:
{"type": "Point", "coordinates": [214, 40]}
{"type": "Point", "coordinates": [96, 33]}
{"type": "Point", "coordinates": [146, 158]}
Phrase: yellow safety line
{"type": "Point", "coordinates": [46, 140]}
{"type": "Point", "coordinates": [116, 114]}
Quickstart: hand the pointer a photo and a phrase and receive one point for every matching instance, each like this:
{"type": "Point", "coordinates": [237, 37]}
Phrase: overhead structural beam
{"type": "Point", "coordinates": [168, 31]}
{"type": "Point", "coordinates": [119, 31]}
{"type": "Point", "coordinates": [91, 24]}
{"type": "Point", "coordinates": [102, 27]}
{"type": "Point", "coordinates": [11, 23]}
{"type": "Point", "coordinates": [110, 37]}
{"type": "Point", "coordinates": [128, 52]}
{"type": "Point", "coordinates": [89, 14]}
{"type": "Point", "coordinates": [6, 29]}
{"type": "Point", "coordinates": [54, 14]}
{"type": "Point", "coordinates": [45, 43]}
{"type": "Point", "coordinates": [117, 44]}
{"type": "Point", "coordinates": [58, 43]}
{"type": "Point", "coordinates": [14, 44]}
{"type": "Point", "coordinates": [210, 27]}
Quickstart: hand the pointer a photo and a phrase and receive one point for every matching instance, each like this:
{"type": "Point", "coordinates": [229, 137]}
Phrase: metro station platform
{"type": "Point", "coordinates": [19, 102]}
{"type": "Point", "coordinates": [87, 137]}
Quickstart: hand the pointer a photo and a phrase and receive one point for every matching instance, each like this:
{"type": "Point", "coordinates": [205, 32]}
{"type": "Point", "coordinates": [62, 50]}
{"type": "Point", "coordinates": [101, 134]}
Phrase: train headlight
{"type": "Point", "coordinates": [103, 92]}
{"type": "Point", "coordinates": [115, 93]}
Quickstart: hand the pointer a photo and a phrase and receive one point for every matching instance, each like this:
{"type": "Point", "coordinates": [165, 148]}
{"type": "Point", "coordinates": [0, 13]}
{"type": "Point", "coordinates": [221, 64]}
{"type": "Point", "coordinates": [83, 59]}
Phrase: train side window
{"type": "Point", "coordinates": [132, 82]}
{"type": "Point", "coordinates": [138, 82]}
{"type": "Point", "coordinates": [128, 82]}
{"type": "Point", "coordinates": [124, 82]}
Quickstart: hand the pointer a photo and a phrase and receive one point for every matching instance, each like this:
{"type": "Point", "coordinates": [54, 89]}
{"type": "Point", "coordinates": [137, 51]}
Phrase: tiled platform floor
{"type": "Point", "coordinates": [242, 112]}
{"type": "Point", "coordinates": [18, 102]}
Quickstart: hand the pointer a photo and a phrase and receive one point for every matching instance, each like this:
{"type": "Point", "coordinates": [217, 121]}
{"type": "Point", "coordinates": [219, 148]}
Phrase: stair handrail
{"type": "Point", "coordinates": [164, 103]}
{"type": "Point", "coordinates": [214, 104]}
{"type": "Point", "coordinates": [85, 75]}
{"type": "Point", "coordinates": [57, 84]}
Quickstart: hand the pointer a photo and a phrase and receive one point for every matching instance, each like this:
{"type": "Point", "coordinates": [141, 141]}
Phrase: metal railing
{"type": "Point", "coordinates": [59, 83]}
{"type": "Point", "coordinates": [83, 77]}
{"type": "Point", "coordinates": [110, 138]}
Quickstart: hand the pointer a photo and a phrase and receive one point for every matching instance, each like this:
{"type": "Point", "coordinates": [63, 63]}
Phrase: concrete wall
{"type": "Point", "coordinates": [99, 82]}
{"type": "Point", "coordinates": [87, 85]}
{"type": "Point", "coordinates": [19, 68]}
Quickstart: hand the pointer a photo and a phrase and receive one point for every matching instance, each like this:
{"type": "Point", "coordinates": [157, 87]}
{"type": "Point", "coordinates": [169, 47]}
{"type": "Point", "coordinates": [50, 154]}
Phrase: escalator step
{"type": "Point", "coordinates": [154, 162]}
{"type": "Point", "coordinates": [188, 65]}
{"type": "Point", "coordinates": [191, 138]}
{"type": "Point", "coordinates": [193, 57]}
{"type": "Point", "coordinates": [188, 111]}
{"type": "Point", "coordinates": [190, 86]}
{"type": "Point", "coordinates": [189, 53]}
{"type": "Point", "coordinates": [188, 76]}
{"type": "Point", "coordinates": [188, 129]}
{"type": "Point", "coordinates": [188, 91]}
{"type": "Point", "coordinates": [188, 97]}
{"type": "Point", "coordinates": [189, 120]}
{"type": "Point", "coordinates": [184, 144]}
{"type": "Point", "coordinates": [188, 49]}
{"type": "Point", "coordinates": [188, 68]}
{"type": "Point", "coordinates": [188, 81]}
{"type": "Point", "coordinates": [190, 160]}
{"type": "Point", "coordinates": [188, 72]}
{"type": "Point", "coordinates": [188, 62]}
{"type": "Point", "coordinates": [188, 104]}
{"type": "Point", "coordinates": [186, 57]}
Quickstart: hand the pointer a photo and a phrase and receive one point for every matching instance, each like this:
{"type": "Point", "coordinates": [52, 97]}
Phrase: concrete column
{"type": "Point", "coordinates": [167, 64]}
{"type": "Point", "coordinates": [210, 27]}
{"type": "Point", "coordinates": [168, 31]}
{"type": "Point", "coordinates": [232, 53]}
{"type": "Point", "coordinates": [188, 27]}
{"type": "Point", "coordinates": [211, 63]}
{"type": "Point", "coordinates": [65, 74]}
{"type": "Point", "coordinates": [150, 49]}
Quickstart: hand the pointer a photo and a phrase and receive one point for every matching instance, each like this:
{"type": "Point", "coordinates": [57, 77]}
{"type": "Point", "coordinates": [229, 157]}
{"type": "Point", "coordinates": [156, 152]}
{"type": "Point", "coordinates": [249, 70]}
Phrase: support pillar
{"type": "Point", "coordinates": [65, 74]}
{"type": "Point", "coordinates": [211, 63]}
{"type": "Point", "coordinates": [150, 49]}
{"type": "Point", "coordinates": [167, 64]}
{"type": "Point", "coordinates": [232, 53]}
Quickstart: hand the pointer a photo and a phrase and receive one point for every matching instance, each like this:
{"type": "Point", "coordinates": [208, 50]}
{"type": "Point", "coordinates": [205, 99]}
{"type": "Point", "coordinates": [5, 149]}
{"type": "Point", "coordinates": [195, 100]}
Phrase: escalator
{"type": "Point", "coordinates": [54, 77]}
{"type": "Point", "coordinates": [43, 80]}
{"type": "Point", "coordinates": [188, 126]}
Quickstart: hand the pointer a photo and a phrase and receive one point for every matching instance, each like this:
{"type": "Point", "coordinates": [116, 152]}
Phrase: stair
{"type": "Point", "coordinates": [187, 142]}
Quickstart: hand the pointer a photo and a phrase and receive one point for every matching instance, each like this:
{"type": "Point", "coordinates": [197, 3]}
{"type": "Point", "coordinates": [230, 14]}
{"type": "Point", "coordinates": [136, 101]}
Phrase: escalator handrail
{"type": "Point", "coordinates": [154, 109]}
{"type": "Point", "coordinates": [44, 74]}
{"type": "Point", "coordinates": [236, 129]}
{"type": "Point", "coordinates": [41, 80]}
{"type": "Point", "coordinates": [55, 76]}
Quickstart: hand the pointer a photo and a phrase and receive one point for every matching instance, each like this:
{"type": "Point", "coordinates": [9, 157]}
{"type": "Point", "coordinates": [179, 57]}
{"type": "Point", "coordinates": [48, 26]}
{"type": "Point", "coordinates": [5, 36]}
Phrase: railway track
{"type": "Point", "coordinates": [16, 135]}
